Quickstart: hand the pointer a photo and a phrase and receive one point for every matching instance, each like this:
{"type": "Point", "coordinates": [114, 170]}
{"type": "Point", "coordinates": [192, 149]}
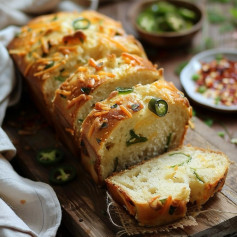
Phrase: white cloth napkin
{"type": "Point", "coordinates": [27, 208]}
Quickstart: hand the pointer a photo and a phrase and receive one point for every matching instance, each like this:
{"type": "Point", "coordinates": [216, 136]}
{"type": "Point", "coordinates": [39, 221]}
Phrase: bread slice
{"type": "Point", "coordinates": [95, 81]}
{"type": "Point", "coordinates": [49, 49]}
{"type": "Point", "coordinates": [157, 191]}
{"type": "Point", "coordinates": [122, 130]}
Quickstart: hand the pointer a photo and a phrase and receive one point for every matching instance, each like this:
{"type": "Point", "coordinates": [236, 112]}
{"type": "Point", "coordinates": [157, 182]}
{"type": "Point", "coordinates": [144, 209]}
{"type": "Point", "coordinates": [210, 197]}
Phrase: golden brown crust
{"type": "Point", "coordinates": [47, 46]}
{"type": "Point", "coordinates": [153, 212]}
{"type": "Point", "coordinates": [113, 116]}
{"type": "Point", "coordinates": [79, 88]}
{"type": "Point", "coordinates": [150, 213]}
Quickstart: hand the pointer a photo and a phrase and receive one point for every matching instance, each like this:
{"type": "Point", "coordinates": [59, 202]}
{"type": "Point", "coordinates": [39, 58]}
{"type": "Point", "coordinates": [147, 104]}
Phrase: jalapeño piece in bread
{"type": "Point", "coordinates": [50, 48]}
{"type": "Point", "coordinates": [133, 125]}
{"type": "Point", "coordinates": [95, 81]}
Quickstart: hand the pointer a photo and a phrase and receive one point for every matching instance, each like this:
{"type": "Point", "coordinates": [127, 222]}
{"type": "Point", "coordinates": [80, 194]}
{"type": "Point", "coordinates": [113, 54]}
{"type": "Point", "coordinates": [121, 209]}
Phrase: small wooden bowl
{"type": "Point", "coordinates": [167, 39]}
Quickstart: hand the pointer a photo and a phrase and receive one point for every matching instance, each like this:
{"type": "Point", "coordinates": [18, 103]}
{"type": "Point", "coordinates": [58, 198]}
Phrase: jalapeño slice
{"type": "Point", "coordinates": [81, 23]}
{"type": "Point", "coordinates": [62, 174]}
{"type": "Point", "coordinates": [49, 156]}
{"type": "Point", "coordinates": [158, 106]}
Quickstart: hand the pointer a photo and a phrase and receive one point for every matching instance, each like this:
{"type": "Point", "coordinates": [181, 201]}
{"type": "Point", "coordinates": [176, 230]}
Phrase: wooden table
{"type": "Point", "coordinates": [169, 60]}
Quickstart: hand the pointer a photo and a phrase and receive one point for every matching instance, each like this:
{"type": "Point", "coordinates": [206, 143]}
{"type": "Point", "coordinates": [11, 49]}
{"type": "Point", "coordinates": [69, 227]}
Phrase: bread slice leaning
{"type": "Point", "coordinates": [122, 130]}
{"type": "Point", "coordinates": [94, 82]}
{"type": "Point", "coordinates": [157, 191]}
{"type": "Point", "coordinates": [50, 48]}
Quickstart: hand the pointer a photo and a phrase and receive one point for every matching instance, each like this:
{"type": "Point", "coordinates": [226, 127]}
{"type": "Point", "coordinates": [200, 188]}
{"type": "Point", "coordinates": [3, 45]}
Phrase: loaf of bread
{"type": "Point", "coordinates": [124, 129]}
{"type": "Point", "coordinates": [74, 62]}
{"type": "Point", "coordinates": [157, 191]}
{"type": "Point", "coordinates": [54, 48]}
{"type": "Point", "coordinates": [51, 48]}
{"type": "Point", "coordinates": [94, 82]}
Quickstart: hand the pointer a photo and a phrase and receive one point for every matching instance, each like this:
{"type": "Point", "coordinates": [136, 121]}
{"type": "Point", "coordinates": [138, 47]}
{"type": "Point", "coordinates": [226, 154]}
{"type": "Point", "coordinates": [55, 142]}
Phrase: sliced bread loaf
{"type": "Point", "coordinates": [95, 81]}
{"type": "Point", "coordinates": [157, 191]}
{"type": "Point", "coordinates": [132, 125]}
{"type": "Point", "coordinates": [50, 48]}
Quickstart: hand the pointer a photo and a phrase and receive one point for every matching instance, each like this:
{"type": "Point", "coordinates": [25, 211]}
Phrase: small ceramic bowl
{"type": "Point", "coordinates": [167, 39]}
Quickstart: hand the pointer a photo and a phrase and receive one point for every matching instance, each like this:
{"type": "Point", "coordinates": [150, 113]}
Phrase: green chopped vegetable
{"type": "Point", "coordinates": [124, 90]}
{"type": "Point", "coordinates": [215, 16]}
{"type": "Point", "coordinates": [175, 22]}
{"type": "Point", "coordinates": [18, 34]}
{"type": "Point", "coordinates": [217, 100]}
{"type": "Point", "coordinates": [62, 174]}
{"type": "Point", "coordinates": [226, 131]}
{"type": "Point", "coordinates": [134, 138]}
{"type": "Point", "coordinates": [233, 12]}
{"type": "Point", "coordinates": [104, 125]}
{"type": "Point", "coordinates": [54, 18]}
{"type": "Point", "coordinates": [172, 210]}
{"type": "Point", "coordinates": [202, 89]}
{"type": "Point", "coordinates": [163, 201]}
{"type": "Point", "coordinates": [81, 23]}
{"type": "Point", "coordinates": [195, 77]}
{"type": "Point", "coordinates": [182, 163]}
{"type": "Point", "coordinates": [146, 21]}
{"type": "Point", "coordinates": [135, 107]}
{"type": "Point", "coordinates": [63, 96]}
{"type": "Point", "coordinates": [168, 142]}
{"type": "Point", "coordinates": [49, 65]}
{"type": "Point", "coordinates": [221, 134]}
{"type": "Point", "coordinates": [197, 176]}
{"type": "Point", "coordinates": [187, 14]}
{"type": "Point", "coordinates": [208, 122]}
{"type": "Point", "coordinates": [114, 106]}
{"type": "Point", "coordinates": [180, 153]}
{"type": "Point", "coordinates": [161, 8]}
{"type": "Point", "coordinates": [98, 140]}
{"type": "Point", "coordinates": [158, 106]}
{"type": "Point", "coordinates": [219, 57]}
{"type": "Point", "coordinates": [86, 90]}
{"type": "Point", "coordinates": [166, 17]}
{"type": "Point", "coordinates": [49, 156]}
{"type": "Point", "coordinates": [60, 78]}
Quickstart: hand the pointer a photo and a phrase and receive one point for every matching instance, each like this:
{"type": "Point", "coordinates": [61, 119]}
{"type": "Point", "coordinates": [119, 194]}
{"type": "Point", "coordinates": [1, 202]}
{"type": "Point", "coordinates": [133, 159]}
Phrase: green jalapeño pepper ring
{"type": "Point", "coordinates": [158, 106]}
{"type": "Point", "coordinates": [62, 174]}
{"type": "Point", "coordinates": [49, 156]}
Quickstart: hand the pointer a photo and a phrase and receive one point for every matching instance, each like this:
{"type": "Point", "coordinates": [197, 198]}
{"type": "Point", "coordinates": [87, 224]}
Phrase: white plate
{"type": "Point", "coordinates": [193, 66]}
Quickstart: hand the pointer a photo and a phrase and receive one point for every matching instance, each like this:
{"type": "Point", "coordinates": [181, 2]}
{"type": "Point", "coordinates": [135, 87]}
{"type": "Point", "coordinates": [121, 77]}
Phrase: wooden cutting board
{"type": "Point", "coordinates": [84, 204]}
